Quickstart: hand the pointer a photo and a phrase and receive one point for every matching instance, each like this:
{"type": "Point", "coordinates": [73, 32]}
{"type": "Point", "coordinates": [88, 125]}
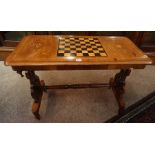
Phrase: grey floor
{"type": "Point", "coordinates": [82, 105]}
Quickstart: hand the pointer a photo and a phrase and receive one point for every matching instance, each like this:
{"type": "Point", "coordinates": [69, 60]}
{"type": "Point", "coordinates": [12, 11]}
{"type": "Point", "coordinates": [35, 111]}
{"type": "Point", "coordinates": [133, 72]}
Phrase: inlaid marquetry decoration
{"type": "Point", "coordinates": [80, 47]}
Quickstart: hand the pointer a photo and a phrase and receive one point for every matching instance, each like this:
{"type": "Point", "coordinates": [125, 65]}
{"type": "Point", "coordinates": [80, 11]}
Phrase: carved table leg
{"type": "Point", "coordinates": [36, 91]}
{"type": "Point", "coordinates": [118, 85]}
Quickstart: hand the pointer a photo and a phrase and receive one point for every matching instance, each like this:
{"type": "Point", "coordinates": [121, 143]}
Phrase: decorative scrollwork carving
{"type": "Point", "coordinates": [118, 85]}
{"type": "Point", "coordinates": [36, 91]}
{"type": "Point", "coordinates": [20, 72]}
{"type": "Point", "coordinates": [120, 77]}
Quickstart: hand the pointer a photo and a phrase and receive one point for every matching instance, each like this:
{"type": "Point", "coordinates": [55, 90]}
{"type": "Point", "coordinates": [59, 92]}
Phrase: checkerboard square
{"type": "Point", "coordinates": [79, 54]}
{"type": "Point", "coordinates": [91, 54]}
{"type": "Point", "coordinates": [85, 54]}
{"type": "Point", "coordinates": [67, 54]}
{"type": "Point", "coordinates": [103, 54]}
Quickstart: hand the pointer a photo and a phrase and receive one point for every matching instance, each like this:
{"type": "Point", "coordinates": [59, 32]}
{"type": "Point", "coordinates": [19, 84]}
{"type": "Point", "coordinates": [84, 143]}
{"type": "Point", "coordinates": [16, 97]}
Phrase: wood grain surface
{"type": "Point", "coordinates": [39, 52]}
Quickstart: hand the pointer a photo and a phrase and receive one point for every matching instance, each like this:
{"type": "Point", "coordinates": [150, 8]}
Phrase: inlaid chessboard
{"type": "Point", "coordinates": [80, 47]}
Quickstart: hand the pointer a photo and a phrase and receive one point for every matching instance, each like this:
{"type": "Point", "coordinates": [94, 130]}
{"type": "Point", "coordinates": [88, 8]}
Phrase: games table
{"type": "Point", "coordinates": [47, 52]}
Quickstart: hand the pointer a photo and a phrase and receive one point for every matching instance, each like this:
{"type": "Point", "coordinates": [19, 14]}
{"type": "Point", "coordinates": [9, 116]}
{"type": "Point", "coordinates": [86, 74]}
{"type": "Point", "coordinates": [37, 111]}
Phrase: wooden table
{"type": "Point", "coordinates": [41, 52]}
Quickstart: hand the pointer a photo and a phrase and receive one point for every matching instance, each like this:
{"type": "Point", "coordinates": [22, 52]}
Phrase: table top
{"type": "Point", "coordinates": [43, 52]}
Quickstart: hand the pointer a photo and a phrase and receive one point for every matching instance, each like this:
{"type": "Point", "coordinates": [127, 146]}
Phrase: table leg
{"type": "Point", "coordinates": [118, 85]}
{"type": "Point", "coordinates": [36, 91]}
